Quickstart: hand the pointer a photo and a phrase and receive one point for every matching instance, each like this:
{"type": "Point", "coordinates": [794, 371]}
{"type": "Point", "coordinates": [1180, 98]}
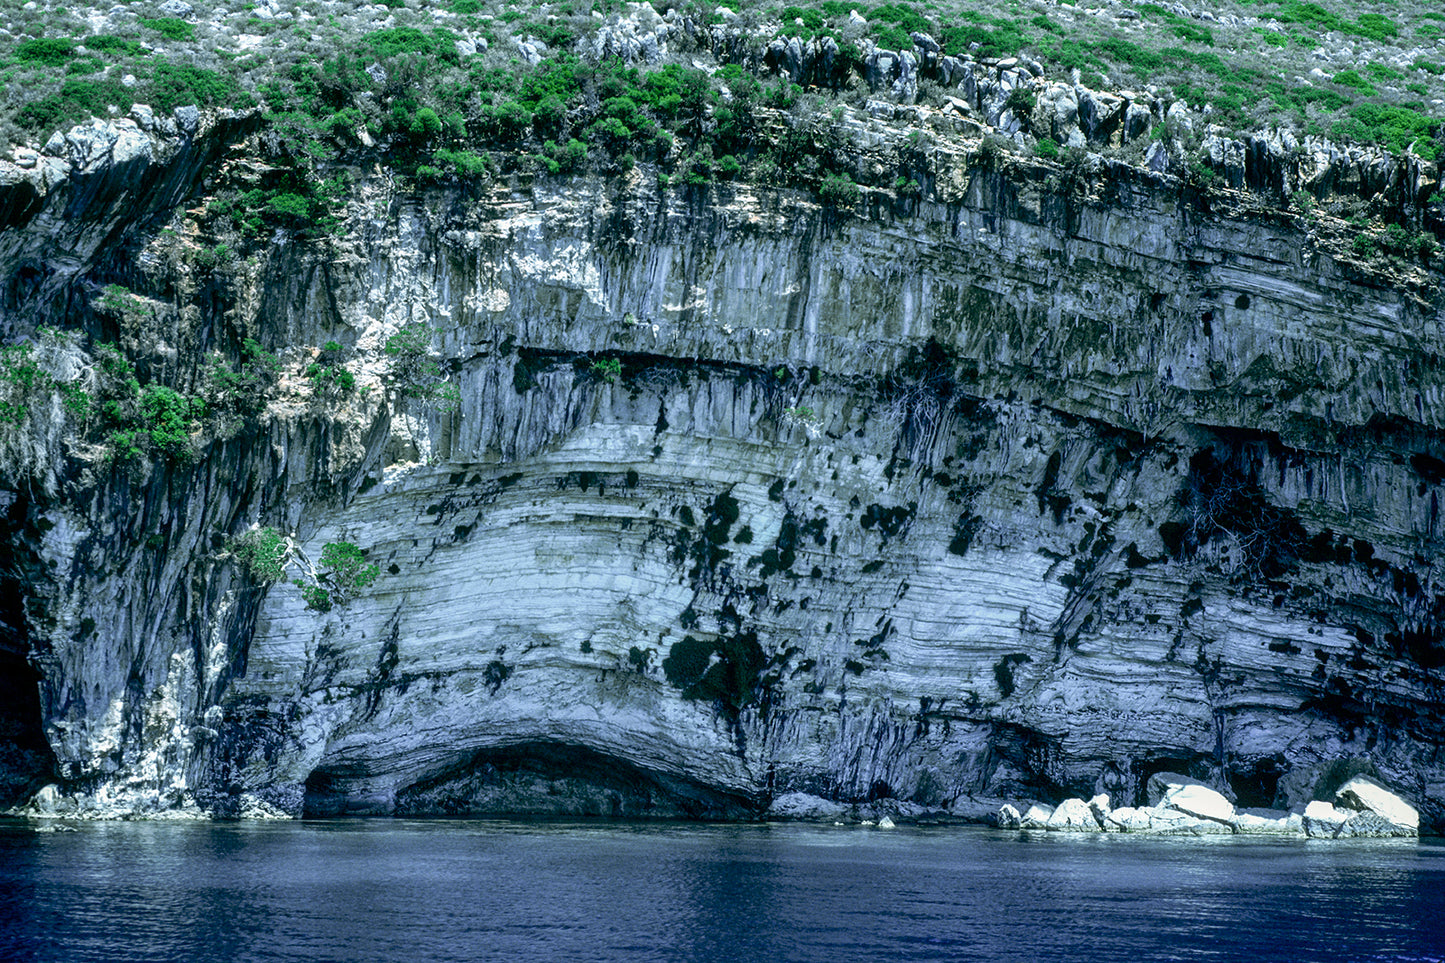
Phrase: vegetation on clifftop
{"type": "Point", "coordinates": [445, 84]}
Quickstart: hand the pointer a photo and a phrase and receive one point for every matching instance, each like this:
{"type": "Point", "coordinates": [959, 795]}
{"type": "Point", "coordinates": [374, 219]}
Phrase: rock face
{"type": "Point", "coordinates": [1027, 489]}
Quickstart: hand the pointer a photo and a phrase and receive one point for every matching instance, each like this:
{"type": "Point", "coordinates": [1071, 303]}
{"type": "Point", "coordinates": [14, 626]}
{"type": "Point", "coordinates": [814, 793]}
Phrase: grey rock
{"type": "Point", "coordinates": [805, 807]}
{"type": "Point", "coordinates": [188, 118]}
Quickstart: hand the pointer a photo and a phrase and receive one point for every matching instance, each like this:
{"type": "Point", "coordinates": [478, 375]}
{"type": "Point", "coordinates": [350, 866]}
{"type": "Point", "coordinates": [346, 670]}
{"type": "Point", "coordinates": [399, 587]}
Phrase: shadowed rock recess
{"type": "Point", "coordinates": [1030, 488]}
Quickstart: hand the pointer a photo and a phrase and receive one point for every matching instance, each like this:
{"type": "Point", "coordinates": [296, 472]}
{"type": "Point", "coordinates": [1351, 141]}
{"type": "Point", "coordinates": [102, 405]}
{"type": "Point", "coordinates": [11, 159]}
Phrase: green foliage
{"type": "Point", "coordinates": [1022, 101]}
{"type": "Point", "coordinates": [1375, 26]}
{"type": "Point", "coordinates": [1048, 148]}
{"type": "Point", "coordinates": [47, 51]}
{"type": "Point", "coordinates": [316, 597]}
{"type": "Point", "coordinates": [263, 551]}
{"type": "Point", "coordinates": [439, 45]}
{"type": "Point", "coordinates": [838, 190]}
{"type": "Point", "coordinates": [996, 36]}
{"type": "Point", "coordinates": [77, 100]}
{"type": "Point", "coordinates": [21, 378]}
{"type": "Point", "coordinates": [330, 378]}
{"type": "Point", "coordinates": [178, 85]}
{"type": "Point", "coordinates": [117, 46]}
{"type": "Point", "coordinates": [414, 373]}
{"type": "Point", "coordinates": [347, 568]}
{"type": "Point", "coordinates": [608, 369]}
{"type": "Point", "coordinates": [1352, 78]}
{"type": "Point", "coordinates": [172, 28]}
{"type": "Point", "coordinates": [1395, 128]}
{"type": "Point", "coordinates": [1395, 241]}
{"type": "Point", "coordinates": [243, 390]}
{"type": "Point", "coordinates": [168, 418]}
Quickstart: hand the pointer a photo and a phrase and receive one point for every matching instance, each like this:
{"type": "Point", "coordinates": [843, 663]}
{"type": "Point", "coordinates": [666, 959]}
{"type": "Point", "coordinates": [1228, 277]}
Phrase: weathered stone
{"type": "Point", "coordinates": [1365, 795]}
{"type": "Point", "coordinates": [1008, 817]}
{"type": "Point", "coordinates": [1036, 817]}
{"type": "Point", "coordinates": [807, 807]}
{"type": "Point", "coordinates": [1072, 815]}
{"type": "Point", "coordinates": [1268, 822]}
{"type": "Point", "coordinates": [1323, 819]}
{"type": "Point", "coordinates": [1371, 825]}
{"type": "Point", "coordinates": [1200, 801]}
{"type": "Point", "coordinates": [1129, 820]}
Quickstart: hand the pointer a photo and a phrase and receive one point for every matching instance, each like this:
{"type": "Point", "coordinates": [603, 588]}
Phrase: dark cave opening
{"type": "Point", "coordinates": [533, 779]}
{"type": "Point", "coordinates": [26, 760]}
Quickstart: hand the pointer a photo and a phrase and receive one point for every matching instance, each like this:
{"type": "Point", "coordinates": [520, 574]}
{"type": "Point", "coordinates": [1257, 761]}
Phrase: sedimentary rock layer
{"type": "Point", "coordinates": [1032, 488]}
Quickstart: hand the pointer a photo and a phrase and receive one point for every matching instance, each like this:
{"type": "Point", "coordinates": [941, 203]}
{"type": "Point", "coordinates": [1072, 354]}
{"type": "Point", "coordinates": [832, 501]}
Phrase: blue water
{"type": "Point", "coordinates": [430, 891]}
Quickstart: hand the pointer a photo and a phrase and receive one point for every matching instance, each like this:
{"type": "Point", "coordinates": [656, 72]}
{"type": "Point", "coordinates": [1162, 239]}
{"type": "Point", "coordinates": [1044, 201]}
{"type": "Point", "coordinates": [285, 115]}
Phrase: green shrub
{"type": "Point", "coordinates": [77, 100]}
{"type": "Point", "coordinates": [1352, 78]}
{"type": "Point", "coordinates": [172, 28]}
{"type": "Point", "coordinates": [316, 597]}
{"type": "Point", "coordinates": [414, 373]}
{"type": "Point", "coordinates": [1395, 128]}
{"type": "Point", "coordinates": [347, 567]}
{"type": "Point", "coordinates": [21, 379]}
{"type": "Point", "coordinates": [1375, 26]}
{"type": "Point", "coordinates": [608, 369]}
{"type": "Point", "coordinates": [838, 190]}
{"type": "Point", "coordinates": [179, 85]}
{"type": "Point", "coordinates": [244, 390]}
{"type": "Point", "coordinates": [49, 51]}
{"type": "Point", "coordinates": [440, 45]}
{"type": "Point", "coordinates": [111, 44]}
{"type": "Point", "coordinates": [1048, 148]}
{"type": "Point", "coordinates": [168, 419]}
{"type": "Point", "coordinates": [1193, 33]}
{"type": "Point", "coordinates": [263, 551]}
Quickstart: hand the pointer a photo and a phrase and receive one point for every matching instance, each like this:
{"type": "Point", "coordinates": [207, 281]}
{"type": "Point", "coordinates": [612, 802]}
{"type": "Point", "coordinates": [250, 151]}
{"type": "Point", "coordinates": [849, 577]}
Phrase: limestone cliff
{"type": "Point", "coordinates": [1034, 485]}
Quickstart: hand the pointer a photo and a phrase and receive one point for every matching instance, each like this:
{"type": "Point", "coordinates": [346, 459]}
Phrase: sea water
{"type": "Point", "coordinates": [414, 891]}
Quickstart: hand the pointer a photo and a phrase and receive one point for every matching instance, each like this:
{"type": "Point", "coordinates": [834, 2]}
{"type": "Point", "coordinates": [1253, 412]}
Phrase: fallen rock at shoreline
{"type": "Point", "coordinates": [1364, 795]}
{"type": "Point", "coordinates": [1185, 806]}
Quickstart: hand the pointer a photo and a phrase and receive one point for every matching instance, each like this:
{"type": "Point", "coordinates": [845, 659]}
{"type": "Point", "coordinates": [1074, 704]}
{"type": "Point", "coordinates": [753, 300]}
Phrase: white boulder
{"type": "Point", "coordinates": [1363, 794]}
{"type": "Point", "coordinates": [1200, 801]}
{"type": "Point", "coordinates": [1073, 816]}
{"type": "Point", "coordinates": [1323, 819]}
{"type": "Point", "coordinates": [1268, 822]}
{"type": "Point", "coordinates": [1037, 816]}
{"type": "Point", "coordinates": [1127, 819]}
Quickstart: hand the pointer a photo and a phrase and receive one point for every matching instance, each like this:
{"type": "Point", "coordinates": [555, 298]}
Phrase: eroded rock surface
{"type": "Point", "coordinates": [1027, 489]}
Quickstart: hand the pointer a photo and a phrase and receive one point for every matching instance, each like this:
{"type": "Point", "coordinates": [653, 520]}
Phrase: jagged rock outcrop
{"type": "Point", "coordinates": [1036, 487]}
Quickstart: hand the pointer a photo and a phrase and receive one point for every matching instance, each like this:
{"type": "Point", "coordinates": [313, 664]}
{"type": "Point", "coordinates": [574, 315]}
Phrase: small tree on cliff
{"type": "Point", "coordinates": [415, 373]}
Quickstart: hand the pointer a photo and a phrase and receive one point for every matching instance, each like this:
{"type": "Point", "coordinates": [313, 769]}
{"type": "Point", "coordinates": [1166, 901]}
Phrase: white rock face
{"type": "Point", "coordinates": [1365, 795]}
{"type": "Point", "coordinates": [1129, 820]}
{"type": "Point", "coordinates": [1323, 819]}
{"type": "Point", "coordinates": [1268, 822]}
{"type": "Point", "coordinates": [1200, 801]}
{"type": "Point", "coordinates": [1073, 815]}
{"type": "Point", "coordinates": [1037, 817]}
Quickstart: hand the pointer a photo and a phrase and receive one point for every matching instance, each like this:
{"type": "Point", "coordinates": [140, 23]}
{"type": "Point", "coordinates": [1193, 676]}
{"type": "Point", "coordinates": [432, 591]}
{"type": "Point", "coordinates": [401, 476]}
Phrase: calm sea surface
{"type": "Point", "coordinates": [419, 891]}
